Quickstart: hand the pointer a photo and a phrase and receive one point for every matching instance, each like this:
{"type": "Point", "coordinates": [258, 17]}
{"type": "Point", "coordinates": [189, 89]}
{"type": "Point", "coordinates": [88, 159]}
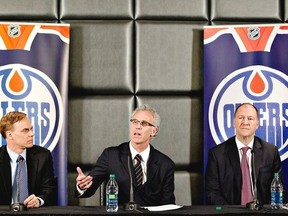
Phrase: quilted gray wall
{"type": "Point", "coordinates": [128, 52]}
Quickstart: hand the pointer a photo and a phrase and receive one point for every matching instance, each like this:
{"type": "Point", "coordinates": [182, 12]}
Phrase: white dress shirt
{"type": "Point", "coordinates": [145, 156]}
{"type": "Point", "coordinates": [13, 163]}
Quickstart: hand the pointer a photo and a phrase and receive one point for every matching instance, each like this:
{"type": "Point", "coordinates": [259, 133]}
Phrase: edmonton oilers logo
{"type": "Point", "coordinates": [262, 86]}
{"type": "Point", "coordinates": [29, 90]}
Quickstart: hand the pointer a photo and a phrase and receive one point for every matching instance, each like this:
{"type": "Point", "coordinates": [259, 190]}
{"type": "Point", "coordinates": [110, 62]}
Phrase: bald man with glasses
{"type": "Point", "coordinates": [153, 178]}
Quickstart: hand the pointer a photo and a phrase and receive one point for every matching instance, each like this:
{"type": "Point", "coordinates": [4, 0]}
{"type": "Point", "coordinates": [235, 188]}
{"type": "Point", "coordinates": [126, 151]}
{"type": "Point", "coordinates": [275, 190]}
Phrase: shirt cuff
{"type": "Point", "coordinates": [41, 201]}
{"type": "Point", "coordinates": [80, 192]}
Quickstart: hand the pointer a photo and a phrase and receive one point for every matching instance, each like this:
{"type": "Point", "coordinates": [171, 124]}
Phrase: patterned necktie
{"type": "Point", "coordinates": [246, 194]}
{"type": "Point", "coordinates": [138, 170]}
{"type": "Point", "coordinates": [20, 185]}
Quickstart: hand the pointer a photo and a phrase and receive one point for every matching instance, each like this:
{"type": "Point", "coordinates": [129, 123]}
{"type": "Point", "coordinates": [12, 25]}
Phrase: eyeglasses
{"type": "Point", "coordinates": [142, 123]}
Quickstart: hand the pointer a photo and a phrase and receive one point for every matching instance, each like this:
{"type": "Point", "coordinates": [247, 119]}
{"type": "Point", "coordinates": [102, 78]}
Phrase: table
{"type": "Point", "coordinates": [185, 210]}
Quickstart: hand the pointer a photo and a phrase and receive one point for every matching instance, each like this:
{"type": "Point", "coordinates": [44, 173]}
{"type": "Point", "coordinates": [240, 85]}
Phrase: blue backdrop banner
{"type": "Point", "coordinates": [34, 79]}
{"type": "Point", "coordinates": [246, 63]}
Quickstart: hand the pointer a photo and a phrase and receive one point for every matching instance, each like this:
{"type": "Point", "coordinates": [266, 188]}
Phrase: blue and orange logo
{"type": "Point", "coordinates": [31, 91]}
{"type": "Point", "coordinates": [267, 89]}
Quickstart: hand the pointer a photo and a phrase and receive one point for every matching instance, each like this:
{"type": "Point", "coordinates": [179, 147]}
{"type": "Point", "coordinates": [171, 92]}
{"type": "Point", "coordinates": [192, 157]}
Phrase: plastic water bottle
{"type": "Point", "coordinates": [112, 194]}
{"type": "Point", "coordinates": [276, 192]}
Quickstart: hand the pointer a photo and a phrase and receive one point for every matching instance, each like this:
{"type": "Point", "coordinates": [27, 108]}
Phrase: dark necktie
{"type": "Point", "coordinates": [20, 185]}
{"type": "Point", "coordinates": [138, 170]}
{"type": "Point", "coordinates": [246, 195]}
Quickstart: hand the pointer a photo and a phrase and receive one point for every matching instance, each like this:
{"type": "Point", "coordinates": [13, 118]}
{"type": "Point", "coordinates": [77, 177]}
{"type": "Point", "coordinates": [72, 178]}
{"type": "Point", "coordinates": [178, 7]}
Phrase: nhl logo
{"type": "Point", "coordinates": [253, 33]}
{"type": "Point", "coordinates": [14, 30]}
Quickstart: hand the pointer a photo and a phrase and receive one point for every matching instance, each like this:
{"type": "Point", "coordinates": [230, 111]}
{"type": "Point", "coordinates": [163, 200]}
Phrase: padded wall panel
{"type": "Point", "coordinates": [188, 188]}
{"type": "Point", "coordinates": [181, 127]}
{"type": "Point", "coordinates": [197, 188]}
{"type": "Point", "coordinates": [28, 9]}
{"type": "Point", "coordinates": [171, 9]}
{"type": "Point", "coordinates": [96, 9]}
{"type": "Point", "coordinates": [286, 11]}
{"type": "Point", "coordinates": [101, 55]}
{"type": "Point", "coordinates": [183, 193]}
{"type": "Point", "coordinates": [96, 123]}
{"type": "Point", "coordinates": [165, 56]}
{"type": "Point", "coordinates": [256, 10]}
{"type": "Point", "coordinates": [91, 201]}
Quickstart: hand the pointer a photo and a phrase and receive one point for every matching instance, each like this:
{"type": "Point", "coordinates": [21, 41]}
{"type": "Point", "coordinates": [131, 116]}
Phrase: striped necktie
{"type": "Point", "coordinates": [138, 170]}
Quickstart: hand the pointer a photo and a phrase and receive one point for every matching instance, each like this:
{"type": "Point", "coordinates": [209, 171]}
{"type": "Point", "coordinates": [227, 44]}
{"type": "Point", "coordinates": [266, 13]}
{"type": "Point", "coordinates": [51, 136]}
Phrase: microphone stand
{"type": "Point", "coordinates": [255, 204]}
{"type": "Point", "coordinates": [18, 207]}
{"type": "Point", "coordinates": [131, 205]}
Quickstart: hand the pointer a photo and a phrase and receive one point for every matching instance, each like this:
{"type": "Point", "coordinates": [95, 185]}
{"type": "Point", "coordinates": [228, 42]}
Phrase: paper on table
{"type": "Point", "coordinates": [163, 207]}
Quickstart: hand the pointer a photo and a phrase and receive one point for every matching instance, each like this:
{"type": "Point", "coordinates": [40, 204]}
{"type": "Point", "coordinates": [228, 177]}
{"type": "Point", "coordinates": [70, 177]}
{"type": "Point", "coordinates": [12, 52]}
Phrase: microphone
{"type": "Point", "coordinates": [255, 204]}
{"type": "Point", "coordinates": [131, 205]}
{"type": "Point", "coordinates": [17, 206]}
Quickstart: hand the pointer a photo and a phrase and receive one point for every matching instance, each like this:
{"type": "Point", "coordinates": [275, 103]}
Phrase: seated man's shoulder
{"type": "Point", "coordinates": [226, 144]}
{"type": "Point", "coordinates": [161, 156]}
{"type": "Point", "coordinates": [264, 144]}
{"type": "Point", "coordinates": [120, 147]}
{"type": "Point", "coordinates": [39, 150]}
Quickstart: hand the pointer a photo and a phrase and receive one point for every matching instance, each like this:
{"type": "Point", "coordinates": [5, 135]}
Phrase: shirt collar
{"type": "Point", "coordinates": [241, 145]}
{"type": "Point", "coordinates": [14, 156]}
{"type": "Point", "coordinates": [144, 154]}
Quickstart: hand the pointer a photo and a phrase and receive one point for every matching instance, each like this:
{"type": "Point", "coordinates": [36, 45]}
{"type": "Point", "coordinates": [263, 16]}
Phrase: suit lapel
{"type": "Point", "coordinates": [257, 148]}
{"type": "Point", "coordinates": [125, 153]}
{"type": "Point", "coordinates": [32, 161]}
{"type": "Point", "coordinates": [152, 167]}
{"type": "Point", "coordinates": [233, 155]}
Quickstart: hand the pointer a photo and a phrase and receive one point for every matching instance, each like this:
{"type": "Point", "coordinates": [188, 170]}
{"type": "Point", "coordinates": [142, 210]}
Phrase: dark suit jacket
{"type": "Point", "coordinates": [223, 173]}
{"type": "Point", "coordinates": [41, 181]}
{"type": "Point", "coordinates": [159, 188]}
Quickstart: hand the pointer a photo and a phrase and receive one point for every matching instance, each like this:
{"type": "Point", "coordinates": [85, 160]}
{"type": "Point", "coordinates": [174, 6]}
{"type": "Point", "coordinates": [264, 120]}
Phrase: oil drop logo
{"type": "Point", "coordinates": [31, 91]}
{"type": "Point", "coordinates": [262, 86]}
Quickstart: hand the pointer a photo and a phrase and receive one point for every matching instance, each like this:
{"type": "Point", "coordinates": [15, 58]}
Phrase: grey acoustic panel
{"type": "Point", "coordinates": [28, 9]}
{"type": "Point", "coordinates": [264, 10]}
{"type": "Point", "coordinates": [70, 188]}
{"type": "Point", "coordinates": [197, 188]}
{"type": "Point", "coordinates": [181, 127]}
{"type": "Point", "coordinates": [167, 56]}
{"type": "Point", "coordinates": [90, 201]}
{"type": "Point", "coordinates": [171, 9]}
{"type": "Point", "coordinates": [101, 55]}
{"type": "Point", "coordinates": [183, 191]}
{"type": "Point", "coordinates": [285, 11]}
{"type": "Point", "coordinates": [96, 123]}
{"type": "Point", "coordinates": [96, 9]}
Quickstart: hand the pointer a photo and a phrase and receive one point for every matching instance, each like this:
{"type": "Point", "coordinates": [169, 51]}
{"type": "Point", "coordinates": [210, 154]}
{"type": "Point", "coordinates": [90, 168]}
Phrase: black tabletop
{"type": "Point", "coordinates": [185, 210]}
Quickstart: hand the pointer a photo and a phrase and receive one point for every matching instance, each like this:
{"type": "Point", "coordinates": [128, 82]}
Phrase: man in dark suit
{"type": "Point", "coordinates": [17, 130]}
{"type": "Point", "coordinates": [223, 173]}
{"type": "Point", "coordinates": [157, 186]}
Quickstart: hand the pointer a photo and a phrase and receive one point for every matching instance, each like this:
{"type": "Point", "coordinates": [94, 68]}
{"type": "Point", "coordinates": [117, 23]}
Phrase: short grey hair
{"type": "Point", "coordinates": [146, 107]}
